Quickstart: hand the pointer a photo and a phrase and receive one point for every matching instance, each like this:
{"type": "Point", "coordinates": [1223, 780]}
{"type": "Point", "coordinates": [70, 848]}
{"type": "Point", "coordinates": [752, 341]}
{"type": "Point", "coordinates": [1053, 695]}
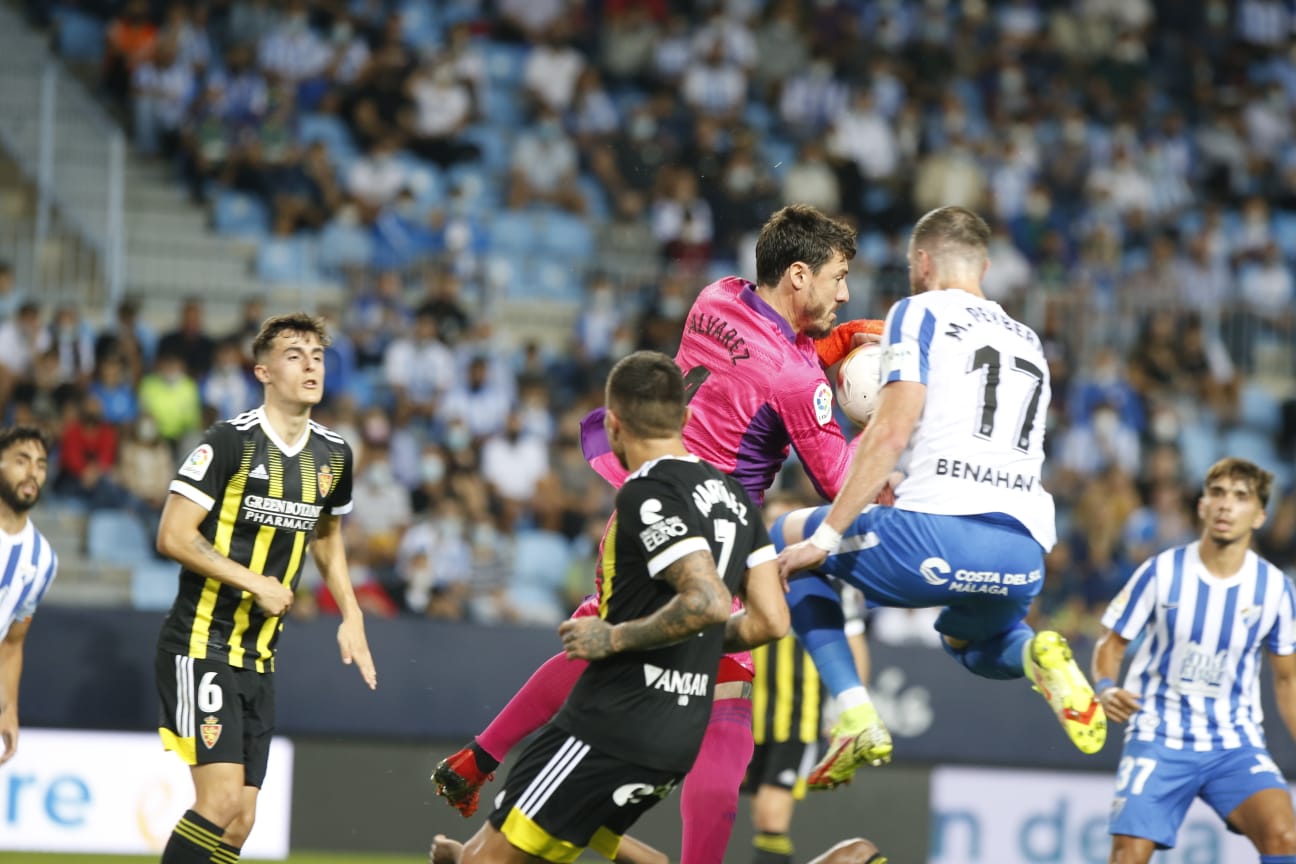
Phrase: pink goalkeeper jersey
{"type": "Point", "coordinates": [756, 388]}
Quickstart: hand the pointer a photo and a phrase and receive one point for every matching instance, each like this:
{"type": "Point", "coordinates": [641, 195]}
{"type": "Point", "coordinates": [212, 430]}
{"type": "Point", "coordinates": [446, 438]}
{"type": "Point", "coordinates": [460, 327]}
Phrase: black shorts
{"type": "Point", "coordinates": [214, 712]}
{"type": "Point", "coordinates": [563, 796]}
{"type": "Point", "coordinates": [784, 764]}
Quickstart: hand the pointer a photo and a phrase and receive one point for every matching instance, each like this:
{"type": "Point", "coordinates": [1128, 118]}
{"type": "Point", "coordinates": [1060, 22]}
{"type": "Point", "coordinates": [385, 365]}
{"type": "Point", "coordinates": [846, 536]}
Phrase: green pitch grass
{"type": "Point", "coordinates": [294, 858]}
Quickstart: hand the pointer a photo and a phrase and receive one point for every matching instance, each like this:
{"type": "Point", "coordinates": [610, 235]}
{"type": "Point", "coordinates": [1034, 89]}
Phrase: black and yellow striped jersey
{"type": "Point", "coordinates": [263, 499]}
{"type": "Point", "coordinates": [786, 696]}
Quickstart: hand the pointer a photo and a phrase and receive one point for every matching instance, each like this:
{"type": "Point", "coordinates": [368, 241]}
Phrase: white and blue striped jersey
{"type": "Point", "coordinates": [978, 447]}
{"type": "Point", "coordinates": [28, 566]}
{"type": "Point", "coordinates": [1197, 667]}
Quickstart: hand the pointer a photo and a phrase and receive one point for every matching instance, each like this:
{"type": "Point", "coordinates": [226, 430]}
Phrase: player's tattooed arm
{"type": "Point", "coordinates": [701, 600]}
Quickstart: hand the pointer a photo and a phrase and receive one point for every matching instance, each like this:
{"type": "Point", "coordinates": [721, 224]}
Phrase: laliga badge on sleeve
{"type": "Point", "coordinates": [823, 403]}
{"type": "Point", "coordinates": [196, 465]}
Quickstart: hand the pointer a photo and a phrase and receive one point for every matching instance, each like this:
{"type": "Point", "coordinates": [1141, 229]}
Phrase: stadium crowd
{"type": "Point", "coordinates": [440, 158]}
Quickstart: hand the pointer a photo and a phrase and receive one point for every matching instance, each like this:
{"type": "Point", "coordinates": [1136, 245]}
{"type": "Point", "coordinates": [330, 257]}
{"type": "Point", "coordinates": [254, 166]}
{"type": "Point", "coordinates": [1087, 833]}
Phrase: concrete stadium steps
{"type": "Point", "coordinates": [80, 582]}
{"type": "Point", "coordinates": [171, 252]}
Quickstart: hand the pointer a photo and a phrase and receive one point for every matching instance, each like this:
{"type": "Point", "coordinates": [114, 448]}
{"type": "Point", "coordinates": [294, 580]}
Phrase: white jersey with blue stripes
{"type": "Point", "coordinates": [1197, 667]}
{"type": "Point", "coordinates": [978, 447]}
{"type": "Point", "coordinates": [27, 567]}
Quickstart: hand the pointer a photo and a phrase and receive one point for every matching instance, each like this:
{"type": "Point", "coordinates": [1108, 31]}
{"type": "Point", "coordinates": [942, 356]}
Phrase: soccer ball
{"type": "Point", "coordinates": [858, 382]}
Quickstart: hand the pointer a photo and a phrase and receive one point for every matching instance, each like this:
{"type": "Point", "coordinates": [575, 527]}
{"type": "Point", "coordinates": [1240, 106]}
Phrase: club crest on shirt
{"type": "Point", "coordinates": [210, 730]}
{"type": "Point", "coordinates": [196, 465]}
{"type": "Point", "coordinates": [324, 480]}
{"type": "Point", "coordinates": [823, 403]}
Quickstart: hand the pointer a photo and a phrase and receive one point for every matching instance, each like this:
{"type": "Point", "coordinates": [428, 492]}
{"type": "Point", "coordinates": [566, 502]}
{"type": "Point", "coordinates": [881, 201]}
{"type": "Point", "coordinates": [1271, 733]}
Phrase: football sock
{"type": "Point", "coordinates": [1278, 859]}
{"type": "Point", "coordinates": [772, 849]}
{"type": "Point", "coordinates": [819, 623]}
{"type": "Point", "coordinates": [709, 797]}
{"type": "Point", "coordinates": [193, 840]}
{"type": "Point", "coordinates": [225, 854]}
{"type": "Point", "coordinates": [997, 657]}
{"type": "Point", "coordinates": [532, 706]}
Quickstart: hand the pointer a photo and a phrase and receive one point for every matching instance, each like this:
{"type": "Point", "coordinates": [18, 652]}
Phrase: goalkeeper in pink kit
{"type": "Point", "coordinates": [753, 357]}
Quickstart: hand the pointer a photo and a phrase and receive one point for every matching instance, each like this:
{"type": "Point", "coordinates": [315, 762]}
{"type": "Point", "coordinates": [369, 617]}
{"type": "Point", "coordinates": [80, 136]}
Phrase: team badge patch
{"type": "Point", "coordinates": [823, 403]}
{"type": "Point", "coordinates": [196, 465]}
{"type": "Point", "coordinates": [210, 730]}
{"type": "Point", "coordinates": [324, 479]}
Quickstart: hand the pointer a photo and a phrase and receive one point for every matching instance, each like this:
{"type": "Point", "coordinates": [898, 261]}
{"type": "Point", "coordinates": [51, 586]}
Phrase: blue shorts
{"type": "Point", "coordinates": [1156, 785]}
{"type": "Point", "coordinates": [985, 570]}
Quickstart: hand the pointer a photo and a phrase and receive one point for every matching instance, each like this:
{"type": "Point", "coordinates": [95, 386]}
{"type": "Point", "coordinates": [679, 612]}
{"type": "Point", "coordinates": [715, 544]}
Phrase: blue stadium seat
{"type": "Point", "coordinates": [557, 280]}
{"type": "Point", "coordinates": [596, 198]}
{"type": "Point", "coordinates": [344, 246]}
{"type": "Point", "coordinates": [493, 146]}
{"type": "Point", "coordinates": [505, 61]}
{"type": "Point", "coordinates": [236, 214]}
{"type": "Point", "coordinates": [473, 188]}
{"type": "Point", "coordinates": [153, 585]}
{"type": "Point", "coordinates": [779, 154]}
{"type": "Point", "coordinates": [1259, 409]}
{"type": "Point", "coordinates": [1284, 230]}
{"type": "Point", "coordinates": [80, 36]}
{"type": "Point", "coordinates": [540, 566]}
{"type": "Point", "coordinates": [117, 537]}
{"type": "Point", "coordinates": [514, 233]}
{"type": "Point", "coordinates": [420, 23]}
{"type": "Point", "coordinates": [565, 236]}
{"type": "Point", "coordinates": [331, 131]}
{"type": "Point", "coordinates": [1200, 447]}
{"type": "Point", "coordinates": [287, 259]}
{"type": "Point", "coordinates": [1250, 444]}
{"type": "Point", "coordinates": [502, 107]}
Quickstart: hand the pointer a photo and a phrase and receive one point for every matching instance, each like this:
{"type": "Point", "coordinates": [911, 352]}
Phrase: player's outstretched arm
{"type": "Point", "coordinates": [900, 404]}
{"type": "Point", "coordinates": [765, 615]}
{"type": "Point", "coordinates": [11, 660]}
{"type": "Point", "coordinates": [178, 538]}
{"type": "Point", "coordinates": [330, 556]}
{"type": "Point", "coordinates": [1284, 673]}
{"type": "Point", "coordinates": [1119, 703]}
{"type": "Point", "coordinates": [701, 600]}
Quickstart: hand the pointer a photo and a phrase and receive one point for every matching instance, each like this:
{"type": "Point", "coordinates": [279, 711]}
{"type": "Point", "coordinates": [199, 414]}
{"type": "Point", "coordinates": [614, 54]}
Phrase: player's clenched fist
{"type": "Point", "coordinates": [586, 638]}
{"type": "Point", "coordinates": [274, 597]}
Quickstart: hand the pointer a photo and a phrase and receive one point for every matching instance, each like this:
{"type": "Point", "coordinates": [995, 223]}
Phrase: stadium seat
{"type": "Point", "coordinates": [565, 236]}
{"type": "Point", "coordinates": [505, 61]}
{"type": "Point", "coordinates": [420, 23]}
{"type": "Point", "coordinates": [493, 146]}
{"type": "Point", "coordinates": [117, 537]}
{"type": "Point", "coordinates": [1259, 409]}
{"type": "Point", "coordinates": [286, 259]}
{"type": "Point", "coordinates": [153, 585]}
{"type": "Point", "coordinates": [1284, 232]}
{"type": "Point", "coordinates": [502, 108]}
{"type": "Point", "coordinates": [1249, 444]}
{"type": "Point", "coordinates": [80, 36]}
{"type": "Point", "coordinates": [514, 233]}
{"type": "Point", "coordinates": [1199, 446]}
{"type": "Point", "coordinates": [236, 214]}
{"type": "Point", "coordinates": [596, 198]}
{"type": "Point", "coordinates": [344, 246]}
{"type": "Point", "coordinates": [331, 131]}
{"type": "Point", "coordinates": [779, 154]}
{"type": "Point", "coordinates": [557, 280]}
{"type": "Point", "coordinates": [540, 566]}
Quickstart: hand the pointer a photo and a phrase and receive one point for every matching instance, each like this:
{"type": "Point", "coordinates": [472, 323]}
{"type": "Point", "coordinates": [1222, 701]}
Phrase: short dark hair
{"type": "Point", "coordinates": [11, 435]}
{"type": "Point", "coordinates": [951, 226]}
{"type": "Point", "coordinates": [646, 392]}
{"type": "Point", "coordinates": [803, 233]}
{"type": "Point", "coordinates": [294, 322]}
{"type": "Point", "coordinates": [1240, 469]}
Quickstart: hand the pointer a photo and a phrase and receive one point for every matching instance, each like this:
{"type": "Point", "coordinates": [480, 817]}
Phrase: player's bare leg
{"type": "Point", "coordinates": [1131, 850]}
{"type": "Point", "coordinates": [1266, 818]}
{"type": "Point", "coordinates": [854, 851]}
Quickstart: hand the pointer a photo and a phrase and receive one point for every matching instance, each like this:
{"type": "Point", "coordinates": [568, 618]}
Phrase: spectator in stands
{"type": "Point", "coordinates": [187, 27]}
{"type": "Point", "coordinates": [513, 461]}
{"type": "Point", "coordinates": [87, 454]}
{"type": "Point", "coordinates": [189, 341]}
{"type": "Point", "coordinates": [630, 30]}
{"type": "Point", "coordinates": [434, 562]}
{"type": "Point", "coordinates": [293, 53]}
{"type": "Point", "coordinates": [811, 180]}
{"type": "Point", "coordinates": [1165, 520]}
{"type": "Point", "coordinates": [441, 112]}
{"type": "Point", "coordinates": [377, 178]}
{"type": "Point", "coordinates": [162, 89]}
{"type": "Point", "coordinates": [251, 21]}
{"type": "Point", "coordinates": [128, 43]}
{"type": "Point", "coordinates": [73, 341]}
{"type": "Point", "coordinates": [627, 250]}
{"type": "Point", "coordinates": [681, 219]}
{"type": "Point", "coordinates": [552, 69]}
{"type": "Point", "coordinates": [419, 369]}
{"type": "Point", "coordinates": [812, 100]}
{"type": "Point", "coordinates": [115, 391]}
{"type": "Point", "coordinates": [480, 404]}
{"type": "Point", "coordinates": [145, 468]}
{"type": "Point", "coordinates": [229, 388]}
{"type": "Point", "coordinates": [782, 46]}
{"type": "Point", "coordinates": [715, 86]}
{"type": "Point", "coordinates": [544, 167]}
{"type": "Point", "coordinates": [20, 338]}
{"type": "Point", "coordinates": [382, 511]}
{"type": "Point", "coordinates": [170, 396]}
{"type": "Point", "coordinates": [528, 20]}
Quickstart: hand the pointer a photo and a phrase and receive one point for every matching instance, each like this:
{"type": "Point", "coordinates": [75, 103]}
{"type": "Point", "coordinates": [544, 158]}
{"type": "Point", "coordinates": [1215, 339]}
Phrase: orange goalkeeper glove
{"type": "Point", "coordinates": [841, 341]}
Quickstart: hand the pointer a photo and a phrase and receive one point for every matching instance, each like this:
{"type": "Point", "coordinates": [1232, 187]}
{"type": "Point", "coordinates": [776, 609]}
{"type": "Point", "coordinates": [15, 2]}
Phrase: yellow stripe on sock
{"type": "Point", "coordinates": [221, 855]}
{"type": "Point", "coordinates": [195, 835]}
{"type": "Point", "coordinates": [779, 844]}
